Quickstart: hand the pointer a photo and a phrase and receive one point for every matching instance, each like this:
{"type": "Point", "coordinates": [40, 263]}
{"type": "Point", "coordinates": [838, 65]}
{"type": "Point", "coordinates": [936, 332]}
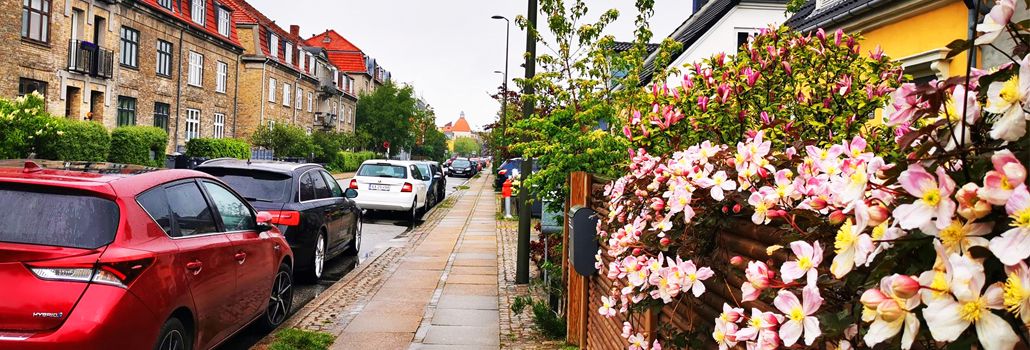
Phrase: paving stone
{"type": "Point", "coordinates": [372, 340]}
{"type": "Point", "coordinates": [474, 256]}
{"type": "Point", "coordinates": [451, 347]}
{"type": "Point", "coordinates": [462, 335]}
{"type": "Point", "coordinates": [470, 289]}
{"type": "Point", "coordinates": [475, 262]}
{"type": "Point", "coordinates": [475, 302]}
{"type": "Point", "coordinates": [368, 321]}
{"type": "Point", "coordinates": [475, 270]}
{"type": "Point", "coordinates": [465, 317]}
{"type": "Point", "coordinates": [472, 279]}
{"type": "Point", "coordinates": [407, 307]}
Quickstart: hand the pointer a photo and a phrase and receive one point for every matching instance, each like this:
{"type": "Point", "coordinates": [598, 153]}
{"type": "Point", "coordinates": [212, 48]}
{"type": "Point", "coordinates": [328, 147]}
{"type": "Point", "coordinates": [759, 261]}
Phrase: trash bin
{"type": "Point", "coordinates": [583, 240]}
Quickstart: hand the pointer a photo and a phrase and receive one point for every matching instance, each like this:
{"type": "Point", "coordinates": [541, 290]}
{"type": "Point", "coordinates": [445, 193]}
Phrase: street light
{"type": "Point", "coordinates": [504, 99]}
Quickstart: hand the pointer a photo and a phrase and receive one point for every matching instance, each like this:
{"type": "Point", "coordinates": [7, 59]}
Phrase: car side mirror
{"type": "Point", "coordinates": [264, 221]}
{"type": "Point", "coordinates": [437, 176]}
{"type": "Point", "coordinates": [350, 193]}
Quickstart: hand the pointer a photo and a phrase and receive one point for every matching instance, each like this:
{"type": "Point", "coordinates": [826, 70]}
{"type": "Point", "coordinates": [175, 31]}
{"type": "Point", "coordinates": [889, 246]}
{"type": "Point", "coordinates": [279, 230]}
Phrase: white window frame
{"type": "Point", "coordinates": [196, 71]}
{"type": "Point", "coordinates": [273, 45]}
{"type": "Point", "coordinates": [271, 89]}
{"type": "Point", "coordinates": [311, 102]}
{"type": "Point", "coordinates": [287, 92]}
{"type": "Point", "coordinates": [288, 52]}
{"type": "Point", "coordinates": [224, 23]}
{"type": "Point", "coordinates": [198, 7]}
{"type": "Point", "coordinates": [221, 76]}
{"type": "Point", "coordinates": [218, 131]}
{"type": "Point", "coordinates": [192, 123]}
{"type": "Point", "coordinates": [300, 98]}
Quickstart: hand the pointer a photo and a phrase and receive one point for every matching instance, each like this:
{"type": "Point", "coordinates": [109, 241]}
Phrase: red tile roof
{"type": "Point", "coordinates": [244, 13]}
{"type": "Point", "coordinates": [461, 125]}
{"type": "Point", "coordinates": [342, 53]}
{"type": "Point", "coordinates": [210, 26]}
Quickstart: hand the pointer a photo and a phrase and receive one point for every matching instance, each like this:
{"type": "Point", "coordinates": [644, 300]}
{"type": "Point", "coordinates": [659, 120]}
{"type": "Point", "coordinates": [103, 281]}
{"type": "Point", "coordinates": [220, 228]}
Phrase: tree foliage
{"type": "Point", "coordinates": [285, 140]}
{"type": "Point", "coordinates": [466, 146]}
{"type": "Point", "coordinates": [386, 114]}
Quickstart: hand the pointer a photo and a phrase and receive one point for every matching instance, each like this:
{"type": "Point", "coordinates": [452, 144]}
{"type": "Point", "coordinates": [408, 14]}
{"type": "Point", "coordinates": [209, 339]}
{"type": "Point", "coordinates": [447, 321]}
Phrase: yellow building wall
{"type": "Point", "coordinates": [924, 32]}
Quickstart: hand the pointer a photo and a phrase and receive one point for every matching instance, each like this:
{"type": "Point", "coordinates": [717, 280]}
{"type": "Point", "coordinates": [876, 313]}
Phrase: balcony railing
{"type": "Point", "coordinates": [88, 58]}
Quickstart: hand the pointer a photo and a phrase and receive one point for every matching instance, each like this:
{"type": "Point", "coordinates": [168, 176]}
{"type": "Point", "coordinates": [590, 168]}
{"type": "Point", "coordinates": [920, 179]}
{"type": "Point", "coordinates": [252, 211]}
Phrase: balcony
{"type": "Point", "coordinates": [88, 58]}
{"type": "Point", "coordinates": [325, 120]}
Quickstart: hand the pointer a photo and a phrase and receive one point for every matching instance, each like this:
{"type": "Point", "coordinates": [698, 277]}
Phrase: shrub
{"type": "Point", "coordinates": [218, 148]}
{"type": "Point", "coordinates": [346, 161]}
{"type": "Point", "coordinates": [142, 145]}
{"type": "Point", "coordinates": [299, 339]}
{"type": "Point", "coordinates": [285, 140]}
{"type": "Point", "coordinates": [74, 140]}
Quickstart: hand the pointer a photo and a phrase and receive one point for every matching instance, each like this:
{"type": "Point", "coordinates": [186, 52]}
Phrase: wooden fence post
{"type": "Point", "coordinates": [578, 285]}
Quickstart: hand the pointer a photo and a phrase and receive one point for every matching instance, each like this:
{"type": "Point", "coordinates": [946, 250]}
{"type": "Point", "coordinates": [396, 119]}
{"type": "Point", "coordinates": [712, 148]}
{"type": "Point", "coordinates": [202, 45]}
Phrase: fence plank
{"type": "Point", "coordinates": [578, 290]}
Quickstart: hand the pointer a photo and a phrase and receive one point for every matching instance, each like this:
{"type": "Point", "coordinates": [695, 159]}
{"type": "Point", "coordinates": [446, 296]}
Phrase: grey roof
{"type": "Point", "coordinates": [696, 25]}
{"type": "Point", "coordinates": [622, 46]}
{"type": "Point", "coordinates": [809, 18]}
{"type": "Point", "coordinates": [263, 165]}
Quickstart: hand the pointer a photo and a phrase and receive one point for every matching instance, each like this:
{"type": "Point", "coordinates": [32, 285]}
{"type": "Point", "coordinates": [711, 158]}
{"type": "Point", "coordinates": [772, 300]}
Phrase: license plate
{"type": "Point", "coordinates": [375, 187]}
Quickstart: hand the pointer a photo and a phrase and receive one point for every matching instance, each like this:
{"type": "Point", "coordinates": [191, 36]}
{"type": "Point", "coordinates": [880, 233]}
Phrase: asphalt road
{"type": "Point", "coordinates": [377, 232]}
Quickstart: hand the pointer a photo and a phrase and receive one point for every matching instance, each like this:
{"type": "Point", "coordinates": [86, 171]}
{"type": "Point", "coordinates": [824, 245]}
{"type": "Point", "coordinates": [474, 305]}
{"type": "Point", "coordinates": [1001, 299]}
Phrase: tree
{"type": "Point", "coordinates": [285, 140]}
{"type": "Point", "coordinates": [386, 114]}
{"type": "Point", "coordinates": [466, 146]}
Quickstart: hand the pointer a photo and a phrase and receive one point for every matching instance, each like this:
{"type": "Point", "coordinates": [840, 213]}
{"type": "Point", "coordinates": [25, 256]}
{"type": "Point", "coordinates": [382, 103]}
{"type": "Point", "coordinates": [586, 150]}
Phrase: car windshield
{"type": "Point", "coordinates": [460, 163]}
{"type": "Point", "coordinates": [255, 185]}
{"type": "Point", "coordinates": [424, 169]}
{"type": "Point", "coordinates": [383, 170]}
{"type": "Point", "coordinates": [45, 217]}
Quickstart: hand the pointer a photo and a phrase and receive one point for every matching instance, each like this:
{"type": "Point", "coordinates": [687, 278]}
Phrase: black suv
{"type": "Point", "coordinates": [463, 167]}
{"type": "Point", "coordinates": [317, 216]}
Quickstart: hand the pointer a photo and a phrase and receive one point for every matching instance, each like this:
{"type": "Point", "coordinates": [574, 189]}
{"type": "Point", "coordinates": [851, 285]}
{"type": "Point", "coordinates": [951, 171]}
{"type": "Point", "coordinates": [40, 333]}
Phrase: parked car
{"type": "Point", "coordinates": [170, 259]}
{"type": "Point", "coordinates": [318, 217]}
{"type": "Point", "coordinates": [437, 185]}
{"type": "Point", "coordinates": [508, 168]}
{"type": "Point", "coordinates": [391, 185]}
{"type": "Point", "coordinates": [462, 167]}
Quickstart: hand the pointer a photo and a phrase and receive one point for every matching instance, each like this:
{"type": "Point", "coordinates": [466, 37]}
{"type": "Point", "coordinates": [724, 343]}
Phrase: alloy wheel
{"type": "Point", "coordinates": [357, 236]}
{"type": "Point", "coordinates": [173, 341]}
{"type": "Point", "coordinates": [281, 299]}
{"type": "Point", "coordinates": [319, 256]}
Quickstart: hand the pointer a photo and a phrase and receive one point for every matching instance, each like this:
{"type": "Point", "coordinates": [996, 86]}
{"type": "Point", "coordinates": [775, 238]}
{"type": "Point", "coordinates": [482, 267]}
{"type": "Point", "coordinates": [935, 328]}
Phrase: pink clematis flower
{"type": "Point", "coordinates": [1007, 174]}
{"type": "Point", "coordinates": [799, 317]}
{"type": "Point", "coordinates": [949, 317]}
{"type": "Point", "coordinates": [720, 183]}
{"type": "Point", "coordinates": [759, 321]}
{"type": "Point", "coordinates": [934, 198]}
{"type": "Point", "coordinates": [607, 308]}
{"type": "Point", "coordinates": [995, 21]}
{"type": "Point", "coordinates": [1013, 245]}
{"type": "Point", "coordinates": [905, 104]}
{"type": "Point", "coordinates": [808, 259]}
{"type": "Point", "coordinates": [1007, 99]}
{"type": "Point", "coordinates": [724, 334]}
{"type": "Point", "coordinates": [1017, 291]}
{"type": "Point", "coordinates": [692, 276]}
{"type": "Point", "coordinates": [758, 275]}
{"type": "Point", "coordinates": [762, 201]}
{"type": "Point", "coordinates": [852, 247]}
{"type": "Point", "coordinates": [890, 309]}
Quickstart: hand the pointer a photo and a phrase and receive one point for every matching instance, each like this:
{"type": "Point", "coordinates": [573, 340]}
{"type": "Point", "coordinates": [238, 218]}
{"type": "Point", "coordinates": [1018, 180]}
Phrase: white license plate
{"type": "Point", "coordinates": [375, 187]}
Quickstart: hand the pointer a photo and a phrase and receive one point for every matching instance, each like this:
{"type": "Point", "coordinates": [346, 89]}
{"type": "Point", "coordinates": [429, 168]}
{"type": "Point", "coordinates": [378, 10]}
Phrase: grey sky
{"type": "Point", "coordinates": [448, 49]}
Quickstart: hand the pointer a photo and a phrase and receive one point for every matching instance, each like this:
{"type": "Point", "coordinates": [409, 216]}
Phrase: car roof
{"type": "Point", "coordinates": [110, 178]}
{"type": "Point", "coordinates": [287, 168]}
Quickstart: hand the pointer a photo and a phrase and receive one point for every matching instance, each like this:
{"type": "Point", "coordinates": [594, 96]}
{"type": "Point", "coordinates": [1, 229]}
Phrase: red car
{"type": "Point", "coordinates": [124, 259]}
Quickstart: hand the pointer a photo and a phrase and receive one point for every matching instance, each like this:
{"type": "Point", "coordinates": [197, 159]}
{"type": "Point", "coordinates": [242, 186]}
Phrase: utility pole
{"type": "Point", "coordinates": [525, 212]}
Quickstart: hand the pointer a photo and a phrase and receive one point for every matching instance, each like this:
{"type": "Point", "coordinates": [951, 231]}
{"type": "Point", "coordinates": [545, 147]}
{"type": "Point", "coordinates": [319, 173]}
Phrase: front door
{"type": "Point", "coordinates": [343, 209]}
{"type": "Point", "coordinates": [252, 252]}
{"type": "Point", "coordinates": [206, 257]}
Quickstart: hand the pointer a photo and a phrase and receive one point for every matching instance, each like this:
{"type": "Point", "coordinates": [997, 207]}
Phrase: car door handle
{"type": "Point", "coordinates": [194, 266]}
{"type": "Point", "coordinates": [241, 257]}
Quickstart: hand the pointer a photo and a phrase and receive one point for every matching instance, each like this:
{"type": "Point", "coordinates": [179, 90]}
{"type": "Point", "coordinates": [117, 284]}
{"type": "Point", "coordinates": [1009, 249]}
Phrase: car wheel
{"type": "Point", "coordinates": [318, 257]}
{"type": "Point", "coordinates": [355, 244]}
{"type": "Point", "coordinates": [174, 336]}
{"type": "Point", "coordinates": [280, 300]}
{"type": "Point", "coordinates": [413, 212]}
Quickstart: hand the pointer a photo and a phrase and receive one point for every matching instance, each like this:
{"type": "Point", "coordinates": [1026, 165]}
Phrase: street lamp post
{"type": "Point", "coordinates": [522, 260]}
{"type": "Point", "coordinates": [504, 100]}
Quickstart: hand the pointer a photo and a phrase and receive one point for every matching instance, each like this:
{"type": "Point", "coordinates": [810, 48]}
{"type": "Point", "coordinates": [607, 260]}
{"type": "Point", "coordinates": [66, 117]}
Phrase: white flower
{"type": "Point", "coordinates": [1007, 98]}
{"type": "Point", "coordinates": [948, 318]}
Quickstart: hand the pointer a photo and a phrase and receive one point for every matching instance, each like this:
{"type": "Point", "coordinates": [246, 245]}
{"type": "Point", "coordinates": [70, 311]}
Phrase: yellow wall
{"type": "Point", "coordinates": [924, 32]}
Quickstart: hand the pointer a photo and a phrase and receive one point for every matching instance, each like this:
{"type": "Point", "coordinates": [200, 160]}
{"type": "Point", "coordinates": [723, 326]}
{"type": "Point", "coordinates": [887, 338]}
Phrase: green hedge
{"type": "Point", "coordinates": [143, 145]}
{"type": "Point", "coordinates": [218, 148]}
{"type": "Point", "coordinates": [349, 161]}
{"type": "Point", "coordinates": [75, 140]}
{"type": "Point", "coordinates": [26, 128]}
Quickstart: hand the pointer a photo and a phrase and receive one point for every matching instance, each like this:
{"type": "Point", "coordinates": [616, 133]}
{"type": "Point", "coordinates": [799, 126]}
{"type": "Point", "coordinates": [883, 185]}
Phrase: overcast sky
{"type": "Point", "coordinates": [447, 49]}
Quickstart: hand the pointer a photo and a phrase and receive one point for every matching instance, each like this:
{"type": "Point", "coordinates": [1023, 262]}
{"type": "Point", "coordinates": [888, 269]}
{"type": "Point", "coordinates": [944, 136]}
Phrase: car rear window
{"type": "Point", "coordinates": [44, 216]}
{"type": "Point", "coordinates": [424, 169]}
{"type": "Point", "coordinates": [460, 163]}
{"type": "Point", "coordinates": [255, 185]}
{"type": "Point", "coordinates": [383, 170]}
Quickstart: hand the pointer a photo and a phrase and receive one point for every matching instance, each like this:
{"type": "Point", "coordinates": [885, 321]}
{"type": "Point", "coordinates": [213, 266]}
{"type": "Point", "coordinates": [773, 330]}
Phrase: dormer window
{"type": "Point", "coordinates": [224, 27]}
{"type": "Point", "coordinates": [165, 3]}
{"type": "Point", "coordinates": [198, 11]}
{"type": "Point", "coordinates": [273, 45]}
{"type": "Point", "coordinates": [822, 4]}
{"type": "Point", "coordinates": [289, 52]}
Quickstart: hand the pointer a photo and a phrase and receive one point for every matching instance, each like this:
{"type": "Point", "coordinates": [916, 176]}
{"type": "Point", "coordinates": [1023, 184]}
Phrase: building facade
{"type": "Point", "coordinates": [167, 63]}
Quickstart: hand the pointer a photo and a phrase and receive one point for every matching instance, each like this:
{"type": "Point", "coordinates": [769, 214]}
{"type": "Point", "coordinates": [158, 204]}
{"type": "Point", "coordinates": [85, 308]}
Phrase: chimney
{"type": "Point", "coordinates": [295, 30]}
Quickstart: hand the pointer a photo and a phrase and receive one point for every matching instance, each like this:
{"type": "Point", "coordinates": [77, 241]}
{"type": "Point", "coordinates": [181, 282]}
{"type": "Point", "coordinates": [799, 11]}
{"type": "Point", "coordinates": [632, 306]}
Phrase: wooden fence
{"type": "Point", "coordinates": [589, 330]}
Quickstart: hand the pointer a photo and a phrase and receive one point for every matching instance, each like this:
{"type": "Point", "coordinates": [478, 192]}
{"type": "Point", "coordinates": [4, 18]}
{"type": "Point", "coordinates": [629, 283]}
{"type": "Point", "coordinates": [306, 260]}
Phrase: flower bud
{"type": "Point", "coordinates": [872, 298]}
{"type": "Point", "coordinates": [818, 203]}
{"type": "Point", "coordinates": [878, 214]}
{"type": "Point", "coordinates": [737, 208]}
{"type": "Point", "coordinates": [837, 217]}
{"type": "Point", "coordinates": [665, 241]}
{"type": "Point", "coordinates": [737, 260]}
{"type": "Point", "coordinates": [763, 172]}
{"type": "Point", "coordinates": [636, 251]}
{"type": "Point", "coordinates": [904, 286]}
{"type": "Point", "coordinates": [890, 311]}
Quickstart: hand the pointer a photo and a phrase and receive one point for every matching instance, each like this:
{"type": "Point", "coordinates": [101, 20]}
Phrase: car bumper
{"type": "Point", "coordinates": [106, 317]}
{"type": "Point", "coordinates": [391, 201]}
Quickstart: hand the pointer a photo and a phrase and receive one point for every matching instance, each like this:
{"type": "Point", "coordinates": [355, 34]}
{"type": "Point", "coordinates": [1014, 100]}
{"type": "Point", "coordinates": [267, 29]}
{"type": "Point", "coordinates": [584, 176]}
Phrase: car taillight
{"type": "Point", "coordinates": [115, 273]}
{"type": "Point", "coordinates": [353, 184]}
{"type": "Point", "coordinates": [285, 217]}
{"type": "Point", "coordinates": [406, 188]}
{"type": "Point", "coordinates": [502, 172]}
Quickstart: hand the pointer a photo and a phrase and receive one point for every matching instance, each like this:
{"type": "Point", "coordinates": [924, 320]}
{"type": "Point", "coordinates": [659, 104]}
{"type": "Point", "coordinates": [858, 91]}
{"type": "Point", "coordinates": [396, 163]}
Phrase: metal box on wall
{"type": "Point", "coordinates": [583, 240]}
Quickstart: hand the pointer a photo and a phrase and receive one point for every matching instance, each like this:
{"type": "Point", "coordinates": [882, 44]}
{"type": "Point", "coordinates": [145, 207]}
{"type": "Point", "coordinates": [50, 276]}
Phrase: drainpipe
{"type": "Point", "coordinates": [973, 20]}
{"type": "Point", "coordinates": [178, 92]}
{"type": "Point", "coordinates": [263, 92]}
{"type": "Point", "coordinates": [296, 84]}
{"type": "Point", "coordinates": [236, 95]}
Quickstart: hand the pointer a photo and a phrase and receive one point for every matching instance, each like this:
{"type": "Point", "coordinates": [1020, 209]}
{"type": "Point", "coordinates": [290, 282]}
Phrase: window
{"type": "Point", "coordinates": [223, 22]}
{"type": "Point", "coordinates": [189, 209]}
{"type": "Point", "coordinates": [27, 86]}
{"type": "Point", "coordinates": [289, 52]}
{"type": "Point", "coordinates": [164, 58]}
{"type": "Point", "coordinates": [221, 75]}
{"type": "Point", "coordinates": [260, 185]}
{"type": "Point", "coordinates": [126, 111]}
{"type": "Point", "coordinates": [311, 102]}
{"type": "Point", "coordinates": [198, 11]}
{"type": "Point", "coordinates": [155, 202]}
{"type": "Point", "coordinates": [300, 97]}
{"type": "Point", "coordinates": [192, 124]}
{"type": "Point", "coordinates": [235, 214]}
{"type": "Point", "coordinates": [161, 111]}
{"type": "Point", "coordinates": [271, 89]}
{"type": "Point", "coordinates": [165, 3]}
{"type": "Point", "coordinates": [196, 73]}
{"type": "Point", "coordinates": [287, 90]}
{"type": "Point", "coordinates": [273, 45]}
{"type": "Point", "coordinates": [312, 187]}
{"type": "Point", "coordinates": [219, 129]}
{"type": "Point", "coordinates": [37, 216]}
{"type": "Point", "coordinates": [130, 47]}
{"type": "Point", "coordinates": [35, 20]}
{"type": "Point", "coordinates": [334, 187]}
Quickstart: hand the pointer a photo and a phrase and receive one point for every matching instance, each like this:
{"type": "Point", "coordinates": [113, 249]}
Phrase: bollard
{"type": "Point", "coordinates": [506, 193]}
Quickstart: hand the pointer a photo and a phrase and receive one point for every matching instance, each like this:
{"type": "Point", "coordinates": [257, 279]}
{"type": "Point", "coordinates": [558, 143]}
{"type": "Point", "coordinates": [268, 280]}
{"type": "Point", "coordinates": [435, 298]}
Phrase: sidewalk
{"type": "Point", "coordinates": [437, 288]}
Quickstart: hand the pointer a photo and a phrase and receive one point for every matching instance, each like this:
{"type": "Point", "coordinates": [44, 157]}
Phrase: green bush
{"type": "Point", "coordinates": [74, 140]}
{"type": "Point", "coordinates": [218, 148]}
{"type": "Point", "coordinates": [349, 161]}
{"type": "Point", "coordinates": [143, 145]}
{"type": "Point", "coordinates": [285, 140]}
{"type": "Point", "coordinates": [298, 339]}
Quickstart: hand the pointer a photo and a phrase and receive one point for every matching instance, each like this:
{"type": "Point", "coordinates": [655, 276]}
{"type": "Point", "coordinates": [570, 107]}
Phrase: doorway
{"type": "Point", "coordinates": [96, 106]}
{"type": "Point", "coordinates": [73, 103]}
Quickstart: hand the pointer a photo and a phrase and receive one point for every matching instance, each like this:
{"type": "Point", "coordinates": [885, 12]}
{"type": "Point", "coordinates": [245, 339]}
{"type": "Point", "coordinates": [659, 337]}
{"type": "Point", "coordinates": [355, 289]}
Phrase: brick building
{"type": "Point", "coordinates": [167, 63]}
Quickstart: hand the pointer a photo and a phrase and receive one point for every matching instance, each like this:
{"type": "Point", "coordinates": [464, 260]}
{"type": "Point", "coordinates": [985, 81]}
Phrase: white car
{"type": "Point", "coordinates": [391, 185]}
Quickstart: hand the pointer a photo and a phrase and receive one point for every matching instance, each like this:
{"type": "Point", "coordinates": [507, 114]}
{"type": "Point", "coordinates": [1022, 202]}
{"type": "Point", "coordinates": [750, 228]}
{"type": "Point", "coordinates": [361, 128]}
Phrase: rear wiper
{"type": "Point", "coordinates": [256, 199]}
